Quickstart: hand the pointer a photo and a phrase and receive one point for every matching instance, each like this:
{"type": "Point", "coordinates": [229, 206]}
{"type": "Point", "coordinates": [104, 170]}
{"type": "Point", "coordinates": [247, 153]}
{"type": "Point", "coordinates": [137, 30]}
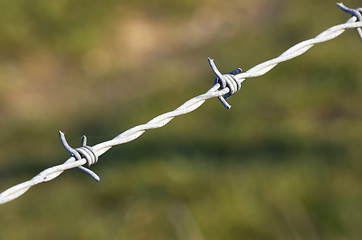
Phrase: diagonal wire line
{"type": "Point", "coordinates": [223, 87]}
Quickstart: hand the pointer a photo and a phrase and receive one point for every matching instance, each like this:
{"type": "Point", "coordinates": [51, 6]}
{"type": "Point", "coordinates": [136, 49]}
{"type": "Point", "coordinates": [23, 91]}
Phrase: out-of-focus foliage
{"type": "Point", "coordinates": [283, 163]}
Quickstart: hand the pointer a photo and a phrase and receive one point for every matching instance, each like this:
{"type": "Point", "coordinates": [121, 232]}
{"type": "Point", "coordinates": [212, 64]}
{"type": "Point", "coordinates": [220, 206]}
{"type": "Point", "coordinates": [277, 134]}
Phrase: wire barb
{"type": "Point", "coordinates": [226, 81]}
{"type": "Point", "coordinates": [84, 151]}
{"type": "Point", "coordinates": [354, 12]}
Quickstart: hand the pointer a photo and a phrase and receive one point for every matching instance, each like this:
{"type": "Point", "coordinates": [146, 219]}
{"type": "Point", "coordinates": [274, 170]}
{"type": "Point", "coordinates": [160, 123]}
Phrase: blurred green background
{"type": "Point", "coordinates": [283, 163]}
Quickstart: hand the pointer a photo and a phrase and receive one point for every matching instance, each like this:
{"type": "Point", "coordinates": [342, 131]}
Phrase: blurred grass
{"type": "Point", "coordinates": [283, 163]}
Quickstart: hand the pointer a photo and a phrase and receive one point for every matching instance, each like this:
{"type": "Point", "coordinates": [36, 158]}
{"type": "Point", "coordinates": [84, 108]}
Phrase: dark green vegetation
{"type": "Point", "coordinates": [283, 163]}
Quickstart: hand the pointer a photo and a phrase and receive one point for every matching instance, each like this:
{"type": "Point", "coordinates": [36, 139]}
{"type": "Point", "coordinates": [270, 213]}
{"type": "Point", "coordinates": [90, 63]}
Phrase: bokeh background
{"type": "Point", "coordinates": [283, 163]}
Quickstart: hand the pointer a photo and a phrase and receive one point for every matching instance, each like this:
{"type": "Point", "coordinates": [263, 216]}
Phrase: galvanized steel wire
{"type": "Point", "coordinates": [224, 86]}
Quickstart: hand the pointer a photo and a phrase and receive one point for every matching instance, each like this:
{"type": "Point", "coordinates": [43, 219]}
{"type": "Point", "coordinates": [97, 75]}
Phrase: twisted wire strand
{"type": "Point", "coordinates": [298, 49]}
{"type": "Point", "coordinates": [223, 87]}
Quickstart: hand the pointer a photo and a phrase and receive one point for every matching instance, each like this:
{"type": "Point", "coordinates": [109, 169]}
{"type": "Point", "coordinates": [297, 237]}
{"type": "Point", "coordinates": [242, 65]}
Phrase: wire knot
{"type": "Point", "coordinates": [83, 151]}
{"type": "Point", "coordinates": [354, 12]}
{"type": "Point", "coordinates": [226, 81]}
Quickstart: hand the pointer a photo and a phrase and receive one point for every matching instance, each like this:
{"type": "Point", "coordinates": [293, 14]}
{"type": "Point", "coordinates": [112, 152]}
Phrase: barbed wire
{"type": "Point", "coordinates": [224, 86]}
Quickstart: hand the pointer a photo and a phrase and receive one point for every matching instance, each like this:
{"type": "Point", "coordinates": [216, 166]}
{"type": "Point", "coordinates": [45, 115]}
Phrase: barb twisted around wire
{"type": "Point", "coordinates": [224, 86]}
{"type": "Point", "coordinates": [356, 13]}
{"type": "Point", "coordinates": [85, 152]}
{"type": "Point", "coordinates": [226, 81]}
